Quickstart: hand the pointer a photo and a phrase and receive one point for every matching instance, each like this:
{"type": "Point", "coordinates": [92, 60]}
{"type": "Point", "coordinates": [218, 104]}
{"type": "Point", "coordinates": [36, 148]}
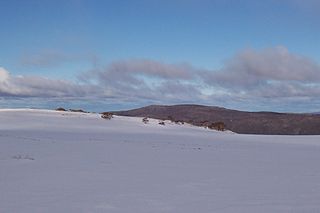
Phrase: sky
{"type": "Point", "coordinates": [107, 54]}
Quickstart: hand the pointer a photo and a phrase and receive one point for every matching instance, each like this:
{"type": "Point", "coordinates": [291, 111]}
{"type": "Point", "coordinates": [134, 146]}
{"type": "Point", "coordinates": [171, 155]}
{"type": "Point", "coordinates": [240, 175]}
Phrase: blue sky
{"type": "Point", "coordinates": [84, 44]}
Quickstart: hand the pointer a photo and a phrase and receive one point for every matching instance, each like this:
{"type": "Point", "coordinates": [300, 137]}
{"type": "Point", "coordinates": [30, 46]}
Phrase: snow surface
{"type": "Point", "coordinates": [75, 162]}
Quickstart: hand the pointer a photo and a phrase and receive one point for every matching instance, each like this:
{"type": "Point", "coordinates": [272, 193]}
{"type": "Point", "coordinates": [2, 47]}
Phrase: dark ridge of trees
{"type": "Point", "coordinates": [269, 123]}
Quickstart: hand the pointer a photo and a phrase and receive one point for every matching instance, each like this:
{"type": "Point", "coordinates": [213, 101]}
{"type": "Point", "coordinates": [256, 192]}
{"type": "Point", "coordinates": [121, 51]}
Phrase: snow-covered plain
{"type": "Point", "coordinates": [73, 162]}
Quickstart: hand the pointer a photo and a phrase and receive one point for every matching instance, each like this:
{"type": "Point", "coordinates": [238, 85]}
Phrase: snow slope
{"type": "Point", "coordinates": [73, 162]}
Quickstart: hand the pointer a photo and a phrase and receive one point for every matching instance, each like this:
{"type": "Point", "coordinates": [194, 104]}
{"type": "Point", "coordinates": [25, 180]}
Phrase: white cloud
{"type": "Point", "coordinates": [35, 86]}
{"type": "Point", "coordinates": [272, 73]}
{"type": "Point", "coordinates": [271, 76]}
{"type": "Point", "coordinates": [146, 79]}
{"type": "Point", "coordinates": [4, 75]}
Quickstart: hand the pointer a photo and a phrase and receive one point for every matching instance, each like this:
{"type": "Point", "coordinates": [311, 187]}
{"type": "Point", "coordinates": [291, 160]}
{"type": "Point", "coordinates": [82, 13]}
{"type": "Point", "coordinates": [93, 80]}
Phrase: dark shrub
{"type": "Point", "coordinates": [179, 122]}
{"type": "Point", "coordinates": [205, 123]}
{"type": "Point", "coordinates": [106, 115]}
{"type": "Point", "coordinates": [145, 120]}
{"type": "Point", "coordinates": [220, 126]}
{"type": "Point", "coordinates": [77, 110]}
{"type": "Point", "coordinates": [61, 109]}
{"type": "Point", "coordinates": [161, 123]}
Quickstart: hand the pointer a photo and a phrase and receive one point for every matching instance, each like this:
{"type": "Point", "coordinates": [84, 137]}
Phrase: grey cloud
{"type": "Point", "coordinates": [179, 91]}
{"type": "Point", "coordinates": [128, 81]}
{"type": "Point", "coordinates": [252, 67]}
{"type": "Point", "coordinates": [273, 72]}
{"type": "Point", "coordinates": [273, 77]}
{"type": "Point", "coordinates": [34, 86]}
{"type": "Point", "coordinates": [286, 90]}
{"type": "Point", "coordinates": [149, 68]}
{"type": "Point", "coordinates": [146, 79]}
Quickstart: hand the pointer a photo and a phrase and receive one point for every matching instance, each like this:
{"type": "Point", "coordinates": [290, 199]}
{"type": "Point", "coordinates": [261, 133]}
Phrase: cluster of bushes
{"type": "Point", "coordinates": [220, 126]}
{"type": "Point", "coordinates": [179, 122]}
{"type": "Point", "coordinates": [61, 109]}
{"type": "Point", "coordinates": [106, 115]}
{"type": "Point", "coordinates": [170, 118]}
{"type": "Point", "coordinates": [161, 123]}
{"type": "Point", "coordinates": [145, 120]}
{"type": "Point", "coordinates": [71, 110]}
{"type": "Point", "coordinates": [78, 110]}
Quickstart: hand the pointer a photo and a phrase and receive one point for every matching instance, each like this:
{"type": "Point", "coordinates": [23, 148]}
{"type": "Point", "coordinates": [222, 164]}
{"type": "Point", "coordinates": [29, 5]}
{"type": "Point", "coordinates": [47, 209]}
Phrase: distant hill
{"type": "Point", "coordinates": [269, 123]}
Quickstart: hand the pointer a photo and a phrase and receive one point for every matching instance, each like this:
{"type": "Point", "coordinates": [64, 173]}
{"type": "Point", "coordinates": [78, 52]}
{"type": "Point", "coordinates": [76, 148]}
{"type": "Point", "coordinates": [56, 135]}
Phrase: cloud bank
{"type": "Point", "coordinates": [146, 79]}
{"type": "Point", "coordinates": [35, 86]}
{"type": "Point", "coordinates": [272, 73]}
{"type": "Point", "coordinates": [252, 79]}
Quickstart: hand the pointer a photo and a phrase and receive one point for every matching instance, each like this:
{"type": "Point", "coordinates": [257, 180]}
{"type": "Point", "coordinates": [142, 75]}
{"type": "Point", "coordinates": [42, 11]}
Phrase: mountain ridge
{"type": "Point", "coordinates": [243, 122]}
